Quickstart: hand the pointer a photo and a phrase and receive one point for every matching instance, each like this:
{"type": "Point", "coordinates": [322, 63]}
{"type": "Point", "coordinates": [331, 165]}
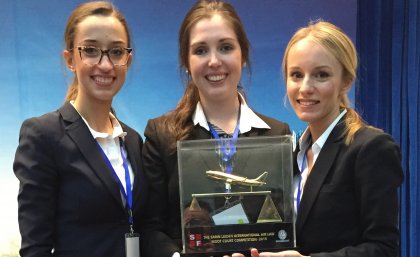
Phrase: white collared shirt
{"type": "Point", "coordinates": [110, 144]}
{"type": "Point", "coordinates": [247, 119]}
{"type": "Point", "coordinates": [304, 143]}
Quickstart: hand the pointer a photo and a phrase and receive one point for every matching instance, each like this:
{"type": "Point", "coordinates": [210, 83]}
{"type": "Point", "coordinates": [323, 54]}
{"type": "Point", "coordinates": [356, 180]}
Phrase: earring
{"type": "Point", "coordinates": [187, 73]}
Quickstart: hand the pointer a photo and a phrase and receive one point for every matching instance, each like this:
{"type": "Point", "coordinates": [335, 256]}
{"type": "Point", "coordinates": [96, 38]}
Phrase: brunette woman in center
{"type": "Point", "coordinates": [213, 50]}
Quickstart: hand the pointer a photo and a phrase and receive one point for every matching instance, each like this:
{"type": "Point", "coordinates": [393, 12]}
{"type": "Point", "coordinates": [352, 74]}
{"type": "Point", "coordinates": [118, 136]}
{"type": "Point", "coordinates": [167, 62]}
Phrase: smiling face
{"type": "Point", "coordinates": [314, 83]}
{"type": "Point", "coordinates": [214, 58]}
{"type": "Point", "coordinates": [98, 82]}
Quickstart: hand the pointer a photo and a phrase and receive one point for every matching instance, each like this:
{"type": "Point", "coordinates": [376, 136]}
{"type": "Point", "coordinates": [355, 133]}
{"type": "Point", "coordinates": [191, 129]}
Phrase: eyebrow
{"type": "Point", "coordinates": [316, 68]}
{"type": "Point", "coordinates": [222, 40]}
{"type": "Point", "coordinates": [92, 41]}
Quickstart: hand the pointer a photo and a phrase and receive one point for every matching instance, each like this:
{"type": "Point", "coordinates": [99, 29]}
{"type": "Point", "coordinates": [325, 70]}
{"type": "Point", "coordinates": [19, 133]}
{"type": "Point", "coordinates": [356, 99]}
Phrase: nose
{"type": "Point", "coordinates": [214, 60]}
{"type": "Point", "coordinates": [105, 62]}
{"type": "Point", "coordinates": [306, 85]}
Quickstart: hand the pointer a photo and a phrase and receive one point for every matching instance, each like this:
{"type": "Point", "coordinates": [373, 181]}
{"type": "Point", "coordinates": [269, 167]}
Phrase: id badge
{"type": "Point", "coordinates": [234, 214]}
{"type": "Point", "coordinates": [132, 245]}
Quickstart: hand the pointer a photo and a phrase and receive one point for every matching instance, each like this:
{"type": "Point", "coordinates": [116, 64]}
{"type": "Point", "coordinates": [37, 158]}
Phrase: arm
{"type": "Point", "coordinates": [155, 241]}
{"type": "Point", "coordinates": [372, 167]}
{"type": "Point", "coordinates": [34, 167]}
{"type": "Point", "coordinates": [377, 176]}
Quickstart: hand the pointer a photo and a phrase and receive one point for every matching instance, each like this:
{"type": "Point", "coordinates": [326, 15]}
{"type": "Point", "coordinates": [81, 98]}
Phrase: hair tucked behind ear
{"type": "Point", "coordinates": [336, 42]}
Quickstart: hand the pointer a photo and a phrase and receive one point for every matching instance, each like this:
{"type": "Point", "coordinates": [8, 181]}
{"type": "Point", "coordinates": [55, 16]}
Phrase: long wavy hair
{"type": "Point", "coordinates": [179, 121]}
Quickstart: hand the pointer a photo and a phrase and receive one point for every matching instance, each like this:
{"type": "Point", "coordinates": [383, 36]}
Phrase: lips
{"type": "Point", "coordinates": [307, 102]}
{"type": "Point", "coordinates": [103, 80]}
{"type": "Point", "coordinates": [216, 77]}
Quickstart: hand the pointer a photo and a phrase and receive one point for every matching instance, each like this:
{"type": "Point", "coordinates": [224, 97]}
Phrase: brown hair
{"type": "Point", "coordinates": [81, 12]}
{"type": "Point", "coordinates": [336, 42]}
{"type": "Point", "coordinates": [180, 120]}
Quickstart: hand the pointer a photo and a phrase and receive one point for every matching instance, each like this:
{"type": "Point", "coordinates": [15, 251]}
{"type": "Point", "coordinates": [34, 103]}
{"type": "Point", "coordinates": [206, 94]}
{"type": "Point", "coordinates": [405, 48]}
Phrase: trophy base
{"type": "Point", "coordinates": [238, 238]}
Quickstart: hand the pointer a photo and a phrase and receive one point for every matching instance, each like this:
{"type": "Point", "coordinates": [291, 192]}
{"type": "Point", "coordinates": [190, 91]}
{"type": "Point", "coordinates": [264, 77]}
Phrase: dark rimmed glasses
{"type": "Point", "coordinates": [92, 55]}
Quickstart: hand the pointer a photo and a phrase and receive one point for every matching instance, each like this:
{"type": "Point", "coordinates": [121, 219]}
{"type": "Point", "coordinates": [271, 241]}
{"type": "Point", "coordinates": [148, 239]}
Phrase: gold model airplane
{"type": "Point", "coordinates": [234, 179]}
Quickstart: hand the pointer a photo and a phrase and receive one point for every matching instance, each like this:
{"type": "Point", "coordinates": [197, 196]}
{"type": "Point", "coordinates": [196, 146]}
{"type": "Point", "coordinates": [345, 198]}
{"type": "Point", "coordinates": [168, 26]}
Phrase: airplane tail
{"type": "Point", "coordinates": [262, 177]}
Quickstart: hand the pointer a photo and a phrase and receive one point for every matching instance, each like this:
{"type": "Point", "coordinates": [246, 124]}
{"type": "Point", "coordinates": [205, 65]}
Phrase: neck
{"type": "Point", "coordinates": [318, 128]}
{"type": "Point", "coordinates": [96, 114]}
{"type": "Point", "coordinates": [315, 132]}
{"type": "Point", "coordinates": [223, 115]}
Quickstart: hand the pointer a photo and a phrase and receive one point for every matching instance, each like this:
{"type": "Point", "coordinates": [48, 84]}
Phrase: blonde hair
{"type": "Point", "coordinates": [81, 12]}
{"type": "Point", "coordinates": [336, 42]}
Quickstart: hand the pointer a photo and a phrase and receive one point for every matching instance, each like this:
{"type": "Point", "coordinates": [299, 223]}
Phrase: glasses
{"type": "Point", "coordinates": [92, 55]}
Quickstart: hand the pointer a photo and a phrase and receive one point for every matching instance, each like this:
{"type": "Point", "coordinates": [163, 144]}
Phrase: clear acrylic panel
{"type": "Point", "coordinates": [236, 194]}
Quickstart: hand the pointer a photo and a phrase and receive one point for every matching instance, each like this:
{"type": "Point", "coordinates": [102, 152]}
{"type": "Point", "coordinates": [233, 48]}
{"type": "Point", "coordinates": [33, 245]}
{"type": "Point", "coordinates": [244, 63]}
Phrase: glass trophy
{"type": "Point", "coordinates": [236, 194]}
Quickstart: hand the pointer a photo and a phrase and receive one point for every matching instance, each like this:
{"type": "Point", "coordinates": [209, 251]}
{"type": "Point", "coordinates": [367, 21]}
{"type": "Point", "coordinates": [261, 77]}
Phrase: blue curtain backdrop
{"type": "Point", "coordinates": [388, 95]}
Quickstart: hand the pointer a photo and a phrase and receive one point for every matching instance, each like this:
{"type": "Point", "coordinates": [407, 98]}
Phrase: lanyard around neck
{"type": "Point", "coordinates": [227, 152]}
{"type": "Point", "coordinates": [300, 188]}
{"type": "Point", "coordinates": [128, 196]}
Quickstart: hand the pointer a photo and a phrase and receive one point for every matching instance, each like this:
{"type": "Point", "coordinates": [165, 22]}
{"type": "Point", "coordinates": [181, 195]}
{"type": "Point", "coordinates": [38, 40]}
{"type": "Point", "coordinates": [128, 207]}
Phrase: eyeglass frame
{"type": "Point", "coordinates": [80, 48]}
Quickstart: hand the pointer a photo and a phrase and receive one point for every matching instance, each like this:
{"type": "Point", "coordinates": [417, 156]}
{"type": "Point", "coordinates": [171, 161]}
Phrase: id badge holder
{"type": "Point", "coordinates": [132, 245]}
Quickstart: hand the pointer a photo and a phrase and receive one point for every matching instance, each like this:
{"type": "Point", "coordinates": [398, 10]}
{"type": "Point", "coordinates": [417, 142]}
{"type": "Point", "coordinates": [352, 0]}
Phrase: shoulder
{"type": "Point", "coordinates": [276, 126]}
{"type": "Point", "coordinates": [47, 123]}
{"type": "Point", "coordinates": [39, 136]}
{"type": "Point", "coordinates": [373, 147]}
{"type": "Point", "coordinates": [130, 130]}
{"type": "Point", "coordinates": [157, 125]}
{"type": "Point", "coordinates": [372, 136]}
{"type": "Point", "coordinates": [157, 132]}
{"type": "Point", "coordinates": [376, 156]}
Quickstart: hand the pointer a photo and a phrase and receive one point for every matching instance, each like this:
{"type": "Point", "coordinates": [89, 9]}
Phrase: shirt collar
{"type": "Point", "coordinates": [247, 119]}
{"type": "Point", "coordinates": [323, 138]}
{"type": "Point", "coordinates": [305, 141]}
{"type": "Point", "coordinates": [319, 143]}
{"type": "Point", "coordinates": [117, 132]}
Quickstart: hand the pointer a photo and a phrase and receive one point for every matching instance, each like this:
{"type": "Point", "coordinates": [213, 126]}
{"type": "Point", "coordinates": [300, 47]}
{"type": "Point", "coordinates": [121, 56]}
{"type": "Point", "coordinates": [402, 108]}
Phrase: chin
{"type": "Point", "coordinates": [305, 118]}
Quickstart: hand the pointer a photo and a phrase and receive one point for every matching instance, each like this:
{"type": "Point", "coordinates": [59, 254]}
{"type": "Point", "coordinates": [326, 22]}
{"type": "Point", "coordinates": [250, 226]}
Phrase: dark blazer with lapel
{"type": "Point", "coordinates": [350, 203]}
{"type": "Point", "coordinates": [68, 198]}
{"type": "Point", "coordinates": [164, 218]}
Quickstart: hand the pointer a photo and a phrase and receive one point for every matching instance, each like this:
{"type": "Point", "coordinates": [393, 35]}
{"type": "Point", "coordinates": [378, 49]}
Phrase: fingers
{"type": "Point", "coordinates": [238, 255]}
{"type": "Point", "coordinates": [254, 253]}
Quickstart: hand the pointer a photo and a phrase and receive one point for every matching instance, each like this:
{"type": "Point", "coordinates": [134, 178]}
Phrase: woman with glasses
{"type": "Point", "coordinates": [79, 167]}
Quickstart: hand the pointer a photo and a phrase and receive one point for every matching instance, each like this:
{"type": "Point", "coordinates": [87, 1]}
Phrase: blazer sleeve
{"type": "Point", "coordinates": [155, 241]}
{"type": "Point", "coordinates": [377, 176]}
{"type": "Point", "coordinates": [34, 167]}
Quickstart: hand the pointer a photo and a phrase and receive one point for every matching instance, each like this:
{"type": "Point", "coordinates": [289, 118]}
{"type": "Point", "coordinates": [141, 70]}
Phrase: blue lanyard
{"type": "Point", "coordinates": [129, 195]}
{"type": "Point", "coordinates": [300, 182]}
{"type": "Point", "coordinates": [227, 154]}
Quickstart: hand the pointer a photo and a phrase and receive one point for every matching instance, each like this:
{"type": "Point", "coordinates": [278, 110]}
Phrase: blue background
{"type": "Point", "coordinates": [34, 79]}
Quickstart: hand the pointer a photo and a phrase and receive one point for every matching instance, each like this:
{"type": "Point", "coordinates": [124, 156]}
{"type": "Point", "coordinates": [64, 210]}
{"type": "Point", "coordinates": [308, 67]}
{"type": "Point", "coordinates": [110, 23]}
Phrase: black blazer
{"type": "Point", "coordinates": [164, 237]}
{"type": "Point", "coordinates": [68, 198]}
{"type": "Point", "coordinates": [350, 202]}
